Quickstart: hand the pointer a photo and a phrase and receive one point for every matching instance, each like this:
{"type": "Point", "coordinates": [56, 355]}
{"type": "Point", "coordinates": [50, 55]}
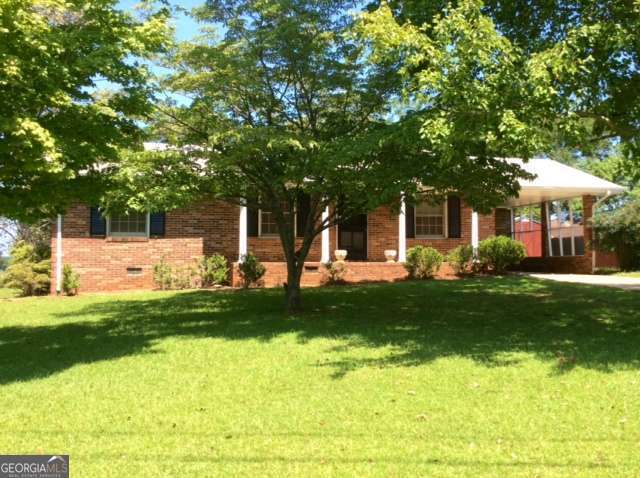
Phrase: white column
{"type": "Point", "coordinates": [242, 246]}
{"type": "Point", "coordinates": [402, 232]}
{"type": "Point", "coordinates": [326, 254]}
{"type": "Point", "coordinates": [59, 254]}
{"type": "Point", "coordinates": [475, 230]}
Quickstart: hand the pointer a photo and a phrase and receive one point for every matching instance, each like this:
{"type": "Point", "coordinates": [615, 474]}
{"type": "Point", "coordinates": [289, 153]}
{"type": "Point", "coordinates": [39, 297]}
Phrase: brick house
{"type": "Point", "coordinates": [118, 253]}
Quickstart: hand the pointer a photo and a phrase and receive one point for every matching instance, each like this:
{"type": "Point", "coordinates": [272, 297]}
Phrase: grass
{"type": "Point", "coordinates": [8, 293]}
{"type": "Point", "coordinates": [482, 377]}
{"type": "Point", "coordinates": [629, 274]}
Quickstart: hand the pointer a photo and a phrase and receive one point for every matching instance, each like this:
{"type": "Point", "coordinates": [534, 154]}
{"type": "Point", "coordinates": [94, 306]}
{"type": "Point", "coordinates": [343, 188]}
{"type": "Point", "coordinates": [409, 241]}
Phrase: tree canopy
{"type": "Point", "coordinates": [56, 122]}
{"type": "Point", "coordinates": [290, 103]}
{"type": "Point", "coordinates": [589, 51]}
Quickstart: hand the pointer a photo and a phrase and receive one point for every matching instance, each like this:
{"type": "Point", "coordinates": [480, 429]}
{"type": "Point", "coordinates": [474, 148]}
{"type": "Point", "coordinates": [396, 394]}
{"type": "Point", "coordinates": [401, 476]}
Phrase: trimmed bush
{"type": "Point", "coordinates": [163, 275]}
{"type": "Point", "coordinates": [497, 253]}
{"type": "Point", "coordinates": [336, 272]}
{"type": "Point", "coordinates": [213, 270]}
{"type": "Point", "coordinates": [185, 277]}
{"type": "Point", "coordinates": [27, 271]}
{"type": "Point", "coordinates": [461, 259]}
{"type": "Point", "coordinates": [251, 270]}
{"type": "Point", "coordinates": [70, 280]}
{"type": "Point", "coordinates": [423, 262]}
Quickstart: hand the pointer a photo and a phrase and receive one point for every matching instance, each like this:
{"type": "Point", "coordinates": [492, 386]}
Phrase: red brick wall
{"type": "Point", "coordinates": [486, 228]}
{"type": "Point", "coordinates": [269, 248]}
{"type": "Point", "coordinates": [382, 233]}
{"type": "Point", "coordinates": [203, 229]}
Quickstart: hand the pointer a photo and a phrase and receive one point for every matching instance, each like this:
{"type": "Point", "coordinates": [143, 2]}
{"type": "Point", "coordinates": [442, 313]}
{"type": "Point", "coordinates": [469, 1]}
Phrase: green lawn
{"type": "Point", "coordinates": [8, 293]}
{"type": "Point", "coordinates": [629, 274]}
{"type": "Point", "coordinates": [482, 377]}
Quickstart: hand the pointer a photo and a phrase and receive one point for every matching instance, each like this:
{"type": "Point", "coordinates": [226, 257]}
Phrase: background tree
{"type": "Point", "coordinates": [54, 127]}
{"type": "Point", "coordinates": [587, 50]}
{"type": "Point", "coordinates": [36, 234]}
{"type": "Point", "coordinates": [291, 113]}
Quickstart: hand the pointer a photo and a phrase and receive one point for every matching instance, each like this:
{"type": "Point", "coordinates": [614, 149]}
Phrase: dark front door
{"type": "Point", "coordinates": [352, 236]}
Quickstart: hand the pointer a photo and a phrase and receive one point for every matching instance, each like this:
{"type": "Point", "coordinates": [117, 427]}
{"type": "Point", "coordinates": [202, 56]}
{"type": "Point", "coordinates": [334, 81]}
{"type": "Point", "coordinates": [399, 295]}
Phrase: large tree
{"type": "Point", "coordinates": [55, 125]}
{"type": "Point", "coordinates": [298, 105]}
{"type": "Point", "coordinates": [589, 51]}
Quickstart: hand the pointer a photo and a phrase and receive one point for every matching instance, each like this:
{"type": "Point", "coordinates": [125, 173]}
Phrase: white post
{"type": "Point", "coordinates": [326, 255]}
{"type": "Point", "coordinates": [59, 255]}
{"type": "Point", "coordinates": [242, 246]}
{"type": "Point", "coordinates": [475, 231]}
{"type": "Point", "coordinates": [402, 231]}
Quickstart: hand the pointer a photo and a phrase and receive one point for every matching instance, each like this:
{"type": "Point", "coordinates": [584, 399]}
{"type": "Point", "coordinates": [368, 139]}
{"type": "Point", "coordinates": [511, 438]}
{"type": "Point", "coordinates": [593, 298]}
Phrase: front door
{"type": "Point", "coordinates": [352, 236]}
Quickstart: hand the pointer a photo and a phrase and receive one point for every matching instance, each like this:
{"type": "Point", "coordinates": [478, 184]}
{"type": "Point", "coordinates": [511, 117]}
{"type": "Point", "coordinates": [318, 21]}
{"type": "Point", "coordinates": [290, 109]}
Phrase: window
{"type": "Point", "coordinates": [566, 228]}
{"type": "Point", "coordinates": [268, 225]}
{"type": "Point", "coordinates": [430, 220]}
{"type": "Point", "coordinates": [131, 224]}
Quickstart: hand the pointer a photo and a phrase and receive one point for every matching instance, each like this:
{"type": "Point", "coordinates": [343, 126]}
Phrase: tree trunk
{"type": "Point", "coordinates": [292, 291]}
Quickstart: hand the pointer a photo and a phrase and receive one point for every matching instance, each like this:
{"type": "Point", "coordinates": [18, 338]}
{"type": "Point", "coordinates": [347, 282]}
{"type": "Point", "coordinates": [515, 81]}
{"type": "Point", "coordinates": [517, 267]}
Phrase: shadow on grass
{"type": "Point", "coordinates": [480, 319]}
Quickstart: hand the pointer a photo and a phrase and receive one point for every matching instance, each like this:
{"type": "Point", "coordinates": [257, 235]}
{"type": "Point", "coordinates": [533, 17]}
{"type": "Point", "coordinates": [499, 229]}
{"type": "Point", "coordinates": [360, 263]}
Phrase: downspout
{"type": "Point", "coordinates": [593, 210]}
{"type": "Point", "coordinates": [59, 255]}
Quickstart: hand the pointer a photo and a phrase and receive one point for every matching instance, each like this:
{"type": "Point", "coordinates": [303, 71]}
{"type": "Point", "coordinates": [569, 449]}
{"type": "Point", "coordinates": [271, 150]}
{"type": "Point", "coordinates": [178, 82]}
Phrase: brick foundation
{"type": "Point", "coordinates": [357, 272]}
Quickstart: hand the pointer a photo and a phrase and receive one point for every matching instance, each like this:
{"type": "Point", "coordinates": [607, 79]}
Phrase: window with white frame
{"type": "Point", "coordinates": [129, 224]}
{"type": "Point", "coordinates": [566, 227]}
{"type": "Point", "coordinates": [430, 219]}
{"type": "Point", "coordinates": [267, 221]}
{"type": "Point", "coordinates": [268, 226]}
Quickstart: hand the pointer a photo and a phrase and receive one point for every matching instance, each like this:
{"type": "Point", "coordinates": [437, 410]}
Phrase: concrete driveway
{"type": "Point", "coordinates": [627, 283]}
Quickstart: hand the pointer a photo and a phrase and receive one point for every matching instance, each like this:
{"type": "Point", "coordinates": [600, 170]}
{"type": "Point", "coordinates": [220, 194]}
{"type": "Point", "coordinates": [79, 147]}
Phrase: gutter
{"type": "Point", "coordinates": [59, 255]}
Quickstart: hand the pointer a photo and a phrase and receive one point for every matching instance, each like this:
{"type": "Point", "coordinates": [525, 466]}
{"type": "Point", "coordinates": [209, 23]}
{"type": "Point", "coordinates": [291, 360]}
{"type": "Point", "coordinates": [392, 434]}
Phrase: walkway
{"type": "Point", "coordinates": [628, 283]}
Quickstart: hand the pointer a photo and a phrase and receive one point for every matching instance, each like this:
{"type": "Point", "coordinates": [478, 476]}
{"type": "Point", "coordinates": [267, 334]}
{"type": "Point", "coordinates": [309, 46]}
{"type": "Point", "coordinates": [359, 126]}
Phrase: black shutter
{"type": "Point", "coordinates": [252, 222]}
{"type": "Point", "coordinates": [453, 217]}
{"type": "Point", "coordinates": [157, 223]}
{"type": "Point", "coordinates": [97, 223]}
{"type": "Point", "coordinates": [410, 220]}
{"type": "Point", "coordinates": [302, 211]}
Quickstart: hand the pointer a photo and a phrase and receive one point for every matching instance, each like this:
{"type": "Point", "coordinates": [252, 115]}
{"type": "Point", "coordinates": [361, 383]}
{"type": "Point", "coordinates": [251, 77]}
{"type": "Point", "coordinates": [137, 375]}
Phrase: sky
{"type": "Point", "coordinates": [186, 27]}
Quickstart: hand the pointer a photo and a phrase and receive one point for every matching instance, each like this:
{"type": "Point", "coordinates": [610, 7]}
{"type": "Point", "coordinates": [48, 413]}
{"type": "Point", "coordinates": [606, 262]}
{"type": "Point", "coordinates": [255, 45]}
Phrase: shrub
{"type": "Point", "coordinates": [461, 259]}
{"type": "Point", "coordinates": [184, 278]}
{"type": "Point", "coordinates": [27, 271]}
{"type": "Point", "coordinates": [336, 272]}
{"type": "Point", "coordinates": [423, 262]}
{"type": "Point", "coordinates": [618, 230]}
{"type": "Point", "coordinates": [251, 270]}
{"type": "Point", "coordinates": [70, 280]}
{"type": "Point", "coordinates": [163, 275]}
{"type": "Point", "coordinates": [499, 252]}
{"type": "Point", "coordinates": [213, 270]}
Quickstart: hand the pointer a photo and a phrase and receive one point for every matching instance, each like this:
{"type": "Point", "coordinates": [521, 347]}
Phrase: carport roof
{"type": "Point", "coordinates": [554, 180]}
